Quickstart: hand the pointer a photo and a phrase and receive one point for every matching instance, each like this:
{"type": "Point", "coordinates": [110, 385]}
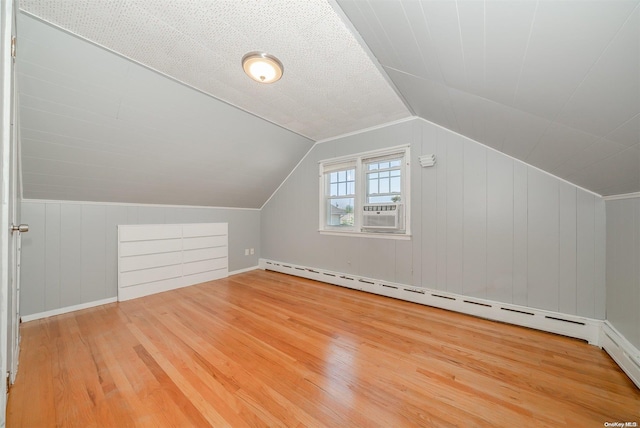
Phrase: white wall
{"type": "Point", "coordinates": [483, 225]}
{"type": "Point", "coordinates": [623, 267]}
{"type": "Point", "coordinates": [69, 256]}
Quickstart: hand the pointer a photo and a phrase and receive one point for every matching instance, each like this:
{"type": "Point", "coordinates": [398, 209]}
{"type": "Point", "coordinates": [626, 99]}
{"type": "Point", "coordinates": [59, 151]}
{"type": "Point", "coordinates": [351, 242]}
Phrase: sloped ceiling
{"type": "Point", "coordinates": [98, 126]}
{"type": "Point", "coordinates": [553, 83]}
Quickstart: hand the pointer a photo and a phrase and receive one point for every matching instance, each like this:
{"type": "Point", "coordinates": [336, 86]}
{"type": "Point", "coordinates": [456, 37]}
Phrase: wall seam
{"type": "Point", "coordinates": [44, 256]}
{"type": "Point", "coordinates": [130, 204]}
{"type": "Point", "coordinates": [60, 255]}
{"type": "Point", "coordinates": [486, 223]}
{"type": "Point", "coordinates": [81, 253]}
{"type": "Point", "coordinates": [462, 225]}
{"type": "Point", "coordinates": [526, 288]}
{"type": "Point", "coordinates": [575, 294]}
{"type": "Point", "coordinates": [595, 256]}
{"type": "Point", "coordinates": [513, 229]}
{"type": "Point", "coordinates": [422, 204]}
{"type": "Point", "coordinates": [106, 222]}
{"type": "Point", "coordinates": [559, 246]}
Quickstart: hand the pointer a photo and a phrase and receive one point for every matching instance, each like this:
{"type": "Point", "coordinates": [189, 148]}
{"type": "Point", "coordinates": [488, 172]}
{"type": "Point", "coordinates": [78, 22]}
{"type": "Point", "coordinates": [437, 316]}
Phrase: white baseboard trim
{"type": "Point", "coordinates": [622, 351]}
{"type": "Point", "coordinates": [67, 309]}
{"type": "Point", "coordinates": [554, 322]}
{"type": "Point", "coordinates": [249, 269]}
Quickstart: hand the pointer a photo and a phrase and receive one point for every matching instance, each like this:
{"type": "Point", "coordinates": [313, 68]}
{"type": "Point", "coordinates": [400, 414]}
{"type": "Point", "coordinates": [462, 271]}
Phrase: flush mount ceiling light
{"type": "Point", "coordinates": [262, 67]}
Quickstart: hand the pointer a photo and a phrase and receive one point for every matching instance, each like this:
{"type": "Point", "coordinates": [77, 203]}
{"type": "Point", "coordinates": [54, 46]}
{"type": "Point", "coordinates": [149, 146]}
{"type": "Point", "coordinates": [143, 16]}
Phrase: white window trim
{"type": "Point", "coordinates": [327, 165]}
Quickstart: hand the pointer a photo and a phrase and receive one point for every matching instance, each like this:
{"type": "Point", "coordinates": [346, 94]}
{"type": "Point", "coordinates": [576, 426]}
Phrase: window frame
{"type": "Point", "coordinates": [358, 162]}
{"type": "Point", "coordinates": [326, 196]}
{"type": "Point", "coordinates": [366, 172]}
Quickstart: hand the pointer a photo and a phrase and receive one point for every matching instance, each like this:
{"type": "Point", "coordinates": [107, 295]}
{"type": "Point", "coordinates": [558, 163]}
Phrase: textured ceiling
{"type": "Point", "coordinates": [331, 86]}
{"type": "Point", "coordinates": [553, 83]}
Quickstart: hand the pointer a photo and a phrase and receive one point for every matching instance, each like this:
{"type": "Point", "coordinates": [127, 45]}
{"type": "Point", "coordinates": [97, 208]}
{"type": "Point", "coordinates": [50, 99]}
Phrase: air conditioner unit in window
{"type": "Point", "coordinates": [382, 217]}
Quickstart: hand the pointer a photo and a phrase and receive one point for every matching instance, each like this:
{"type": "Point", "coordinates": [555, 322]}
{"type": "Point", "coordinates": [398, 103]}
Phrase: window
{"type": "Point", "coordinates": [366, 193]}
{"type": "Point", "coordinates": [341, 197]}
{"type": "Point", "coordinates": [384, 180]}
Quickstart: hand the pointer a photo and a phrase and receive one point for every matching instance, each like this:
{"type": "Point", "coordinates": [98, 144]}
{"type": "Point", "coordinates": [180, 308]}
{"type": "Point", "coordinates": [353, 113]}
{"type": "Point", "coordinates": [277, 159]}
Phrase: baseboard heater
{"type": "Point", "coordinates": [567, 325]}
{"type": "Point", "coordinates": [622, 351]}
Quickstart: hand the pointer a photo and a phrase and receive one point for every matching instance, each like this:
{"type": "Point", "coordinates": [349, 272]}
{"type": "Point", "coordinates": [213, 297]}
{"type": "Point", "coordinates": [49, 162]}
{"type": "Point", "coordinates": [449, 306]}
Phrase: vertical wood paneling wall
{"type": "Point", "coordinates": [483, 225]}
{"type": "Point", "coordinates": [623, 267]}
{"type": "Point", "coordinates": [69, 255]}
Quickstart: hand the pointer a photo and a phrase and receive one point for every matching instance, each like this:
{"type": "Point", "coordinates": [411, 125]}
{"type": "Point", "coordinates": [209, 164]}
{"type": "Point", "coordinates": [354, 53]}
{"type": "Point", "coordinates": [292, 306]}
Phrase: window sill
{"type": "Point", "coordinates": [351, 233]}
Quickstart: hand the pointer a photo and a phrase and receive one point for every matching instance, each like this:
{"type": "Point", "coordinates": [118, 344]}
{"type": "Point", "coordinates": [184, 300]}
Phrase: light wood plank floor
{"type": "Point", "coordinates": [266, 349]}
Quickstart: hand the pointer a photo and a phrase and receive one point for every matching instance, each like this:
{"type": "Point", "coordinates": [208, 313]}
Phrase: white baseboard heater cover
{"type": "Point", "coordinates": [153, 258]}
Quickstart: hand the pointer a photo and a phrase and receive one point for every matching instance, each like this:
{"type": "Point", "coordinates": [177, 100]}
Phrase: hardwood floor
{"type": "Point", "coordinates": [267, 349]}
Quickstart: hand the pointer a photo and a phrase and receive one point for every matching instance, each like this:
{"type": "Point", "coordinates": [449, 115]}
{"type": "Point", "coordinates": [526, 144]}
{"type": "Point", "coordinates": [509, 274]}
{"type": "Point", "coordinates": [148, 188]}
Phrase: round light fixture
{"type": "Point", "coordinates": [262, 67]}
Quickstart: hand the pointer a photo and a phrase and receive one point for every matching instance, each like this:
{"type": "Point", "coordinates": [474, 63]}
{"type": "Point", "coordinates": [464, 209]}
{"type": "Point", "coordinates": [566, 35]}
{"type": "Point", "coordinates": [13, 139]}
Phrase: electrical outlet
{"type": "Point", "coordinates": [246, 251]}
{"type": "Point", "coordinates": [252, 251]}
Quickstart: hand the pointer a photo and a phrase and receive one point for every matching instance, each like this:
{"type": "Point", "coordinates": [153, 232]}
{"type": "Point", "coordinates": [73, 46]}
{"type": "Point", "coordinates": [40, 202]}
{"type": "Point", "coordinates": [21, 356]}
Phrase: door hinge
{"type": "Point", "coordinates": [13, 47]}
{"type": "Point", "coordinates": [8, 383]}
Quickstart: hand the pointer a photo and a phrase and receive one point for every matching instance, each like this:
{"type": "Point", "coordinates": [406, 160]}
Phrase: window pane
{"type": "Point", "coordinates": [340, 212]}
{"type": "Point", "coordinates": [384, 174]}
{"type": "Point", "coordinates": [351, 174]}
{"type": "Point", "coordinates": [372, 166]}
{"type": "Point", "coordinates": [372, 175]}
{"type": "Point", "coordinates": [384, 165]}
{"type": "Point", "coordinates": [394, 163]}
{"type": "Point", "coordinates": [373, 186]}
{"type": "Point", "coordinates": [384, 186]}
{"type": "Point", "coordinates": [395, 173]}
{"type": "Point", "coordinates": [395, 184]}
{"type": "Point", "coordinates": [341, 183]}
